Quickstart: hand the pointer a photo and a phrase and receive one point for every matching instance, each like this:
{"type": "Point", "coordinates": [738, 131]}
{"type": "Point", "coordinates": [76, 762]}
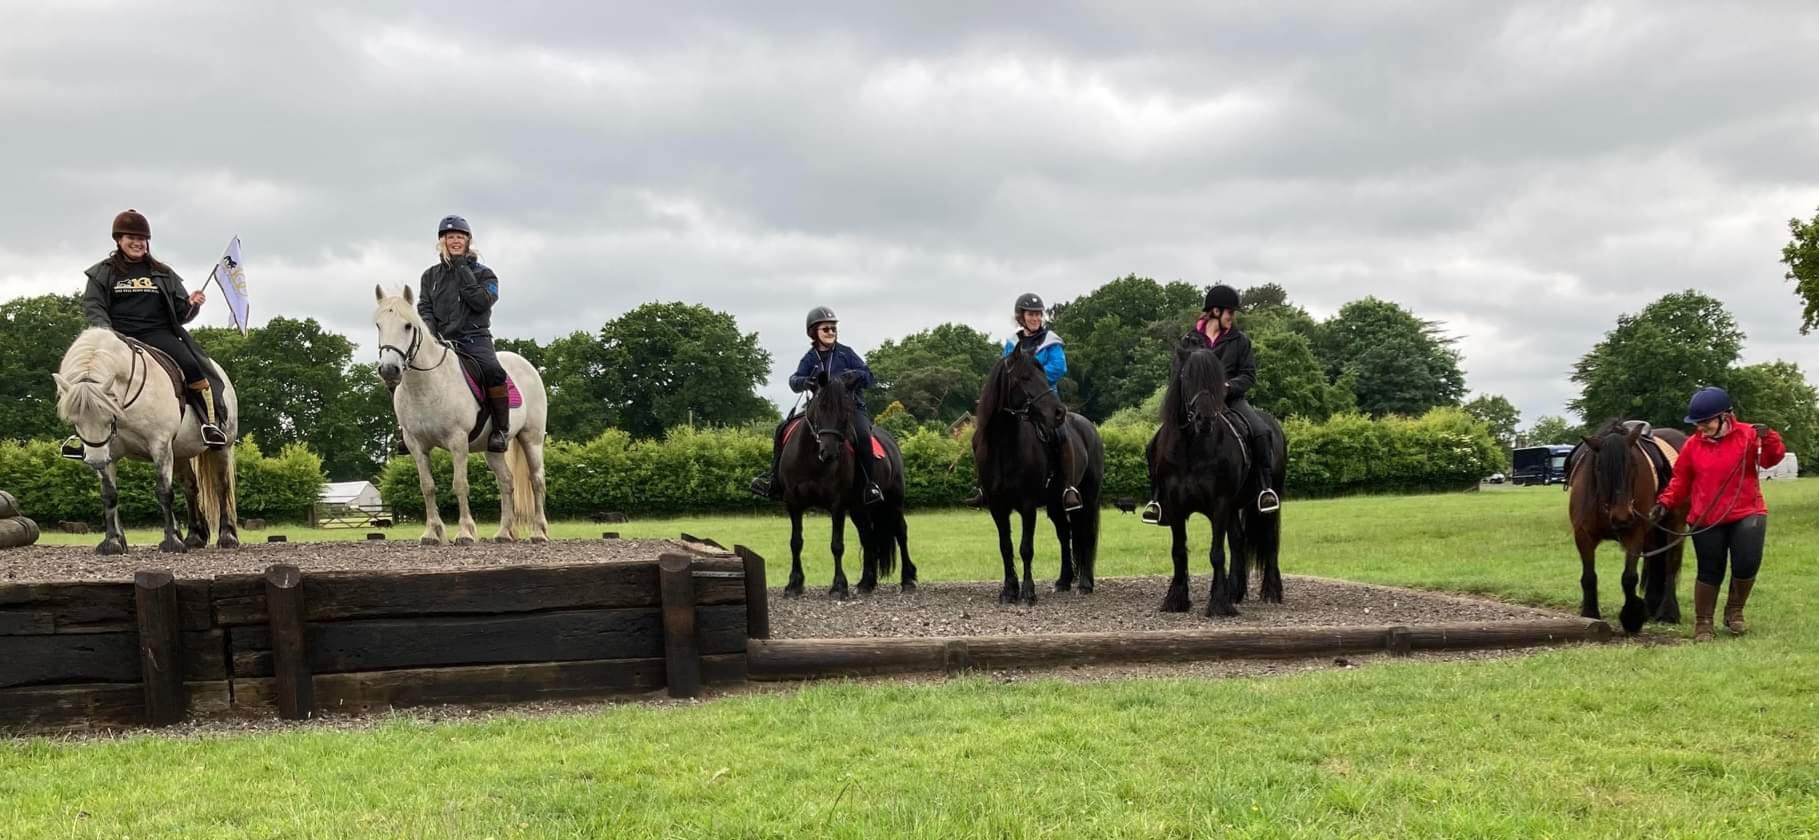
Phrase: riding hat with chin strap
{"type": "Point", "coordinates": [818, 316]}
{"type": "Point", "coordinates": [1706, 404]}
{"type": "Point", "coordinates": [1222, 297]}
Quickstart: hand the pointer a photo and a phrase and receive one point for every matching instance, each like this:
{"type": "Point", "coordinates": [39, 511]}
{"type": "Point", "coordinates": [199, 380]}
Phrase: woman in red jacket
{"type": "Point", "coordinates": [1715, 477]}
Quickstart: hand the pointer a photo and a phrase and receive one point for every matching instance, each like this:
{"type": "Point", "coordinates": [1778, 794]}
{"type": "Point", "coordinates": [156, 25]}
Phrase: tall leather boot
{"type": "Point", "coordinates": [212, 436]}
{"type": "Point", "coordinates": [1705, 599]}
{"type": "Point", "coordinates": [1263, 455]}
{"type": "Point", "coordinates": [864, 460]}
{"type": "Point", "coordinates": [498, 399]}
{"type": "Point", "coordinates": [1733, 605]}
{"type": "Point", "coordinates": [1063, 454]}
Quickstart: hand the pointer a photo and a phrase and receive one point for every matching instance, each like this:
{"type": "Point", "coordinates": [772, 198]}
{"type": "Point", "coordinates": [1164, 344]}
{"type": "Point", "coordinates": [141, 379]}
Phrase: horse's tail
{"type": "Point", "coordinates": [208, 465]}
{"type": "Point", "coordinates": [1086, 535]}
{"type": "Point", "coordinates": [524, 496]}
{"type": "Point", "coordinates": [1262, 537]}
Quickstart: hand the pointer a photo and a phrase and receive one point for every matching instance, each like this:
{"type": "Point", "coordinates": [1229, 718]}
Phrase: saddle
{"type": "Point", "coordinates": [179, 388]}
{"type": "Point", "coordinates": [1660, 454]}
{"type": "Point", "coordinates": [790, 431]}
{"type": "Point", "coordinates": [470, 370]}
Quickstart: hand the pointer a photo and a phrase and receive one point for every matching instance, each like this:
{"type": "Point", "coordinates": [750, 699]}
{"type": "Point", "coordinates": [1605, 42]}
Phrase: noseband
{"type": "Point", "coordinates": [410, 356]}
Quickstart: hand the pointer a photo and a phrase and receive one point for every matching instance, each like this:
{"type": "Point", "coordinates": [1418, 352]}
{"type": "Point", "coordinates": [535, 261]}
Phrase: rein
{"type": "Point", "coordinates": [1044, 435]}
{"type": "Point", "coordinates": [410, 357]}
{"type": "Point", "coordinates": [137, 363]}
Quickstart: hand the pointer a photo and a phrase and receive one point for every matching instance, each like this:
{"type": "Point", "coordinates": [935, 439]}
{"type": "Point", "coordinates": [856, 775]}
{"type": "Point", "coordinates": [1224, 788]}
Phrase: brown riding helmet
{"type": "Point", "coordinates": [132, 222]}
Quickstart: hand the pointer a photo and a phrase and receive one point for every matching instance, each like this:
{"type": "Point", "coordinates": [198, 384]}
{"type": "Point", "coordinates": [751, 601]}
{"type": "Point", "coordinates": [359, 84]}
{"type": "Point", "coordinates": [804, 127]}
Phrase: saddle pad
{"type": "Point", "coordinates": [790, 431]}
{"type": "Point", "coordinates": [513, 398]}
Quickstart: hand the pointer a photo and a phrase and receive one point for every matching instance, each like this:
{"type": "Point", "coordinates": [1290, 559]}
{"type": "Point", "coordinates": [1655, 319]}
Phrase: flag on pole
{"type": "Point", "coordinates": [230, 276]}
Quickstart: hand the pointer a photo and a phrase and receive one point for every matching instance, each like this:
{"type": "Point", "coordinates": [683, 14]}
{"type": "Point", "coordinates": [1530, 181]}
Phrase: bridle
{"type": "Point", "coordinates": [410, 356]}
{"type": "Point", "coordinates": [1026, 414]}
{"type": "Point", "coordinates": [137, 363]}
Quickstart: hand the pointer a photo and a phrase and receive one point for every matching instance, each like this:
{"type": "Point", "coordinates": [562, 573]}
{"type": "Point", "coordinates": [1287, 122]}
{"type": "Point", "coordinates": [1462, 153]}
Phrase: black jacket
{"type": "Point", "coordinates": [456, 300]}
{"type": "Point", "coordinates": [1234, 350]}
{"type": "Point", "coordinates": [836, 362]}
{"type": "Point", "coordinates": [98, 298]}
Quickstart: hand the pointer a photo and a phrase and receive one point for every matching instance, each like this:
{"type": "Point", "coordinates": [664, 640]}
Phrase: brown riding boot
{"type": "Point", "coordinates": [1733, 605]}
{"type": "Point", "coordinates": [1705, 598]}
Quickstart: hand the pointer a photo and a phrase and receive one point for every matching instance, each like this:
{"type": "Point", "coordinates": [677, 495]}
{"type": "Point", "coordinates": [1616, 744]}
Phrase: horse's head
{"type": "Point", "coordinates": [1615, 485]}
{"type": "Point", "coordinates": [401, 333]}
{"type": "Point", "coordinates": [91, 391]}
{"type": "Point", "coordinates": [1024, 392]}
{"type": "Point", "coordinates": [1196, 395]}
{"type": "Point", "coordinates": [830, 417]}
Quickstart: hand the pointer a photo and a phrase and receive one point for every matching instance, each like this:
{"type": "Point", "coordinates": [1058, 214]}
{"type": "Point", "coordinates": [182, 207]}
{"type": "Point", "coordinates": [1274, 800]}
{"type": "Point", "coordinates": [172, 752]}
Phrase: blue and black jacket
{"type": "Point", "coordinates": [1048, 351]}
{"type": "Point", "coordinates": [839, 361]}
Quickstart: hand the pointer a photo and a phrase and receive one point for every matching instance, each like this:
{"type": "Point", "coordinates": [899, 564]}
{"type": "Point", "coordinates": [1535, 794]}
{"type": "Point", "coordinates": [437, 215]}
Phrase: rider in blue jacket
{"type": "Point", "coordinates": [828, 359]}
{"type": "Point", "coordinates": [1033, 334]}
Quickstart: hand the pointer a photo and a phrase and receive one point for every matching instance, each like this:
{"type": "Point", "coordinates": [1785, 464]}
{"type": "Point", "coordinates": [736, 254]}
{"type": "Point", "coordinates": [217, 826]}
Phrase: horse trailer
{"type": "Point", "coordinates": [1539, 464]}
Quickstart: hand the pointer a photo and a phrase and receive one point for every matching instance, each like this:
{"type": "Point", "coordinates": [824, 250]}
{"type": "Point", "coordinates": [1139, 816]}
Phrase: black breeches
{"type": "Point", "coordinates": [174, 347]}
{"type": "Point", "coordinates": [480, 349]}
{"type": "Point", "coordinates": [1262, 445]}
{"type": "Point", "coordinates": [1739, 542]}
{"type": "Point", "coordinates": [862, 441]}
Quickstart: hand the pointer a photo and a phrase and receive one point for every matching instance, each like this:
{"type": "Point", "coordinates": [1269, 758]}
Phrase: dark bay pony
{"type": "Point", "coordinates": [1018, 414]}
{"type": "Point", "coordinates": [1612, 484]}
{"type": "Point", "coordinates": [817, 470]}
{"type": "Point", "coordinates": [1200, 466]}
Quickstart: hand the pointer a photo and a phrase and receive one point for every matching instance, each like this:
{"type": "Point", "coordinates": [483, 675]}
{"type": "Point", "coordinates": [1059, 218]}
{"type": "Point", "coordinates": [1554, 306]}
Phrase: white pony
{"type": "Point", "coordinates": [123, 405]}
{"type": "Point", "coordinates": [435, 409]}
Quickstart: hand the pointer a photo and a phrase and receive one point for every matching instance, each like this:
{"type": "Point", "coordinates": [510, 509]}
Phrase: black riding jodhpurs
{"type": "Point", "coordinates": [174, 347]}
{"type": "Point", "coordinates": [480, 349]}
{"type": "Point", "coordinates": [1740, 542]}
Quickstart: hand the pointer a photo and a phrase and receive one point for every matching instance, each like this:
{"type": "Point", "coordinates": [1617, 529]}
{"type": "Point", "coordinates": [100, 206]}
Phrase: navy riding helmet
{"type": "Point", "coordinates": [453, 224]}
{"type": "Point", "coordinates": [1706, 404]}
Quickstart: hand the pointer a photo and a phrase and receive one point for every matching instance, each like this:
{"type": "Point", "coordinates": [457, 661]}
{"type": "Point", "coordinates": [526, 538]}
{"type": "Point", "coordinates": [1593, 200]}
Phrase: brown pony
{"type": "Point", "coordinates": [1612, 484]}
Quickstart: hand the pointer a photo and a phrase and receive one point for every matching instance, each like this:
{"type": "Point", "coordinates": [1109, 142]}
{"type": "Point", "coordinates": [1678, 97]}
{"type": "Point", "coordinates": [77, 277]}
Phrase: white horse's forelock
{"type": "Point", "coordinates": [94, 360]}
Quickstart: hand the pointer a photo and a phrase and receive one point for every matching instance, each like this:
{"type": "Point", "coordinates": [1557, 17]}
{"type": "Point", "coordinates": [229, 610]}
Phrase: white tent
{"type": "Point", "coordinates": [1788, 468]}
{"type": "Point", "coordinates": [350, 493]}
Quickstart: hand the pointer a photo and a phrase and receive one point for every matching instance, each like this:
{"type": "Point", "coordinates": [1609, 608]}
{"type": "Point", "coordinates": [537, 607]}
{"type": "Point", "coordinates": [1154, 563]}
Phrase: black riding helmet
{"type": "Point", "coordinates": [453, 224]}
{"type": "Point", "coordinates": [1030, 302]}
{"type": "Point", "coordinates": [1222, 297]}
{"type": "Point", "coordinates": [818, 316]}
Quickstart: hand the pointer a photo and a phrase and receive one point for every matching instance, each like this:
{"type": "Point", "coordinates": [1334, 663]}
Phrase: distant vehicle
{"type": "Point", "coordinates": [1496, 478]}
{"type": "Point", "coordinates": [1788, 468]}
{"type": "Point", "coordinates": [1539, 464]}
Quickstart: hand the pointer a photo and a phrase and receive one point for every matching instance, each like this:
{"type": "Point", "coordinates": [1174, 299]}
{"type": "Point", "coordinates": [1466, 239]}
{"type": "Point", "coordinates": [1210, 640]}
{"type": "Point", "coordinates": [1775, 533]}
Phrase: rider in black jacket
{"type": "Point", "coordinates": [456, 300]}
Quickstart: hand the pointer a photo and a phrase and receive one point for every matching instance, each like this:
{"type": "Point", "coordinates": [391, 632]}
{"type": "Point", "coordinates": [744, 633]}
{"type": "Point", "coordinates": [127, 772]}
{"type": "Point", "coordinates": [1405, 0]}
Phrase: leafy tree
{"type": "Point", "coordinates": [1398, 363]}
{"type": "Point", "coordinates": [296, 384]}
{"type": "Point", "coordinates": [526, 347]}
{"type": "Point", "coordinates": [1647, 366]}
{"type": "Point", "coordinates": [1291, 381]}
{"type": "Point", "coordinates": [1120, 338]}
{"type": "Point", "coordinates": [935, 374]}
{"type": "Point", "coordinates": [1777, 393]}
{"type": "Point", "coordinates": [1552, 429]}
{"type": "Point", "coordinates": [1497, 413]}
{"type": "Point", "coordinates": [574, 375]}
{"type": "Point", "coordinates": [1801, 255]}
{"type": "Point", "coordinates": [34, 333]}
{"type": "Point", "coordinates": [671, 364]}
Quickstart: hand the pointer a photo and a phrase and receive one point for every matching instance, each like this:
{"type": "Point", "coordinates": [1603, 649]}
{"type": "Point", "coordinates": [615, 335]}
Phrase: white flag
{"type": "Point", "coordinates": [230, 275]}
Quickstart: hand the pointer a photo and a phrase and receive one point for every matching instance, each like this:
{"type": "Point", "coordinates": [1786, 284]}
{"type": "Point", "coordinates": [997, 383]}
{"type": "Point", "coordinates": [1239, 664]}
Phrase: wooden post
{"type": "Point", "coordinates": [160, 647]}
{"type": "Point", "coordinates": [681, 648]}
{"type": "Point", "coordinates": [275, 538]}
{"type": "Point", "coordinates": [757, 597]}
{"type": "Point", "coordinates": [295, 685]}
{"type": "Point", "coordinates": [1397, 641]}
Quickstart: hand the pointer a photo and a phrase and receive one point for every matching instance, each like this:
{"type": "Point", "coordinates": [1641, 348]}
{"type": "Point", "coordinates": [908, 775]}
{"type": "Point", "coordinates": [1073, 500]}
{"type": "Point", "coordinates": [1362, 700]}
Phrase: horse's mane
{"type": "Point", "coordinates": [991, 398]}
{"type": "Point", "coordinates": [1193, 369]}
{"type": "Point", "coordinates": [397, 305]}
{"type": "Point", "coordinates": [95, 359]}
{"type": "Point", "coordinates": [1611, 462]}
{"type": "Point", "coordinates": [832, 405]}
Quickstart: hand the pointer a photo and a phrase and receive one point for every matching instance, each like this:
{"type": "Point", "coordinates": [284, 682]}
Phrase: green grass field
{"type": "Point", "coordinates": [1613, 741]}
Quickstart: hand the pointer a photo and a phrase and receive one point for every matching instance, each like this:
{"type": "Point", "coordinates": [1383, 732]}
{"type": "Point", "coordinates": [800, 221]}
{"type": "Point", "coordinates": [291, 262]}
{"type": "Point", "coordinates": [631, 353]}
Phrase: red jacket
{"type": "Point", "coordinates": [1707, 474]}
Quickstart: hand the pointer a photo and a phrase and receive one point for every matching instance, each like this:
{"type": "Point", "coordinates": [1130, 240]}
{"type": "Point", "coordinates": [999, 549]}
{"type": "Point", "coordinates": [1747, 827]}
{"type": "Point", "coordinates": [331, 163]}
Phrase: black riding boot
{"type": "Point", "coordinates": [498, 398]}
{"type": "Point", "coordinates": [1061, 467]}
{"type": "Point", "coordinates": [1263, 452]}
{"type": "Point", "coordinates": [1152, 512]}
{"type": "Point", "coordinates": [863, 459]}
{"type": "Point", "coordinates": [766, 486]}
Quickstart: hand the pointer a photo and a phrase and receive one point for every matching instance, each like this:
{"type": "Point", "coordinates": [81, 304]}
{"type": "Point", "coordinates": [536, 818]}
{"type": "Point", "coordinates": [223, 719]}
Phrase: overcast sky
{"type": "Point", "coordinates": [1523, 173]}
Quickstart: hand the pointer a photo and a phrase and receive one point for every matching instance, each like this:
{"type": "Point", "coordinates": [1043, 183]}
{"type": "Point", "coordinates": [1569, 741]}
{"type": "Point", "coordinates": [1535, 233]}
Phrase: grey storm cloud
{"type": "Point", "coordinates": [1524, 173]}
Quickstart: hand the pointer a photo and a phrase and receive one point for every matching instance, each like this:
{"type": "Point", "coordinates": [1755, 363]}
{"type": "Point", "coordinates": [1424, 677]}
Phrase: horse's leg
{"type": "Point", "coordinates": [907, 574]}
{"type": "Point", "coordinates": [1028, 552]}
{"type": "Point", "coordinates": [1177, 599]}
{"type": "Point", "coordinates": [1633, 613]}
{"type": "Point", "coordinates": [1588, 574]}
{"type": "Point", "coordinates": [502, 477]}
{"type": "Point", "coordinates": [872, 541]}
{"type": "Point", "coordinates": [1064, 533]}
{"type": "Point", "coordinates": [795, 552]}
{"type": "Point", "coordinates": [457, 455]}
{"type": "Point", "coordinates": [1238, 580]}
{"type": "Point", "coordinates": [115, 540]}
{"type": "Point", "coordinates": [198, 525]}
{"type": "Point", "coordinates": [1219, 595]}
{"type": "Point", "coordinates": [837, 544]}
{"type": "Point", "coordinates": [1001, 516]}
{"type": "Point", "coordinates": [1670, 601]}
{"type": "Point", "coordinates": [167, 503]}
{"type": "Point", "coordinates": [433, 531]}
{"type": "Point", "coordinates": [226, 509]}
{"type": "Point", "coordinates": [533, 456]}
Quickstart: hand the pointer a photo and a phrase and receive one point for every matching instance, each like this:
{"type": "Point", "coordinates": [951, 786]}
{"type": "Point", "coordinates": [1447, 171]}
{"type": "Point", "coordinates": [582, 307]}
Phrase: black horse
{"type": "Point", "coordinates": [817, 470]}
{"type": "Point", "coordinates": [1017, 419]}
{"type": "Point", "coordinates": [1200, 465]}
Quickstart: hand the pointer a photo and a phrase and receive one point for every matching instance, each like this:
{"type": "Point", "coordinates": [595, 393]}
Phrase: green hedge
{"type": "Point", "coordinates": [695, 471]}
{"type": "Point", "coordinates": [52, 489]}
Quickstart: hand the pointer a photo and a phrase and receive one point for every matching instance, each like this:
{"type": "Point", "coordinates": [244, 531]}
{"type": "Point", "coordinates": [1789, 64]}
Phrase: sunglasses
{"type": "Point", "coordinates": [827, 329]}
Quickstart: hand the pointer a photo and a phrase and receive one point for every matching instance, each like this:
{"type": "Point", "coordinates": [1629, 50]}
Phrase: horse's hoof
{"type": "Point", "coordinates": [1007, 596]}
{"type": "Point", "coordinates": [429, 540]}
{"type": "Point", "coordinates": [1175, 602]}
{"type": "Point", "coordinates": [1217, 610]}
{"type": "Point", "coordinates": [1029, 600]}
{"type": "Point", "coordinates": [909, 586]}
{"type": "Point", "coordinates": [111, 547]}
{"type": "Point", "coordinates": [1632, 619]}
{"type": "Point", "coordinates": [196, 541]}
{"type": "Point", "coordinates": [464, 541]}
{"type": "Point", "coordinates": [793, 590]}
{"type": "Point", "coordinates": [504, 539]}
{"type": "Point", "coordinates": [1086, 589]}
{"type": "Point", "coordinates": [837, 593]}
{"type": "Point", "coordinates": [173, 546]}
{"type": "Point", "coordinates": [866, 591]}
{"type": "Point", "coordinates": [539, 540]}
{"type": "Point", "coordinates": [1063, 587]}
{"type": "Point", "coordinates": [228, 541]}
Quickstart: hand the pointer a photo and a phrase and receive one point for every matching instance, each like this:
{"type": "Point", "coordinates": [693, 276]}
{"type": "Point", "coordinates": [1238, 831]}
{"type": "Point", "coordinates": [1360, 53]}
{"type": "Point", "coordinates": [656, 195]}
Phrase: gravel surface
{"type": "Point", "coordinates": [1119, 603]}
{"type": "Point", "coordinates": [67, 562]}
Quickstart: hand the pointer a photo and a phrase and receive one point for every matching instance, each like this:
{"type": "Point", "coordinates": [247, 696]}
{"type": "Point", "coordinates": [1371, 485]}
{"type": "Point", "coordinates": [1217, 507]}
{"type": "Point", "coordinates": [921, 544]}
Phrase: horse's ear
{"type": "Point", "coordinates": [1593, 443]}
{"type": "Point", "coordinates": [62, 384]}
{"type": "Point", "coordinates": [378, 292]}
{"type": "Point", "coordinates": [408, 297]}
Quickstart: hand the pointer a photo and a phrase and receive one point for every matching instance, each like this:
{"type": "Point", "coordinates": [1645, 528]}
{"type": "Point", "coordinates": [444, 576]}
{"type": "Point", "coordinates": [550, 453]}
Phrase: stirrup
{"type": "Point", "coordinates": [873, 494]}
{"type": "Point", "coordinates": [1077, 503]}
{"type": "Point", "coordinates": [760, 487]}
{"type": "Point", "coordinates": [504, 442]}
{"type": "Point", "coordinates": [71, 449]}
{"type": "Point", "coordinates": [1268, 501]}
{"type": "Point", "coordinates": [212, 436]}
{"type": "Point", "coordinates": [1152, 513]}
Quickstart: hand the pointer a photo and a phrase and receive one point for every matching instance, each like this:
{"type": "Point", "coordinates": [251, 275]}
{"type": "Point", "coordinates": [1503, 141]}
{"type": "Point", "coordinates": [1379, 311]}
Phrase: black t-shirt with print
{"type": "Point", "coordinates": [138, 304]}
